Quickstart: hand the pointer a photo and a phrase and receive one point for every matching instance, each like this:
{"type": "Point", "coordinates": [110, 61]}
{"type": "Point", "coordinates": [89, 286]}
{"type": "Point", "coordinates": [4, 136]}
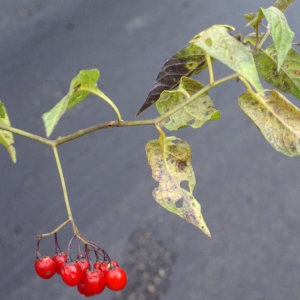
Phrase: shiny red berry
{"type": "Point", "coordinates": [59, 259]}
{"type": "Point", "coordinates": [83, 290]}
{"type": "Point", "coordinates": [45, 267]}
{"type": "Point", "coordinates": [83, 263]}
{"type": "Point", "coordinates": [115, 278]}
{"type": "Point", "coordinates": [104, 265]}
{"type": "Point", "coordinates": [71, 273]}
{"type": "Point", "coordinates": [93, 280]}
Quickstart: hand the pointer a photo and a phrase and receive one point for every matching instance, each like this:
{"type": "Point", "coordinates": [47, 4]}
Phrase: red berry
{"type": "Point", "coordinates": [104, 265]}
{"type": "Point", "coordinates": [59, 259]}
{"type": "Point", "coordinates": [115, 278]}
{"type": "Point", "coordinates": [83, 263]}
{"type": "Point", "coordinates": [94, 281]}
{"type": "Point", "coordinates": [97, 264]}
{"type": "Point", "coordinates": [45, 267]}
{"type": "Point", "coordinates": [83, 290]}
{"type": "Point", "coordinates": [71, 273]}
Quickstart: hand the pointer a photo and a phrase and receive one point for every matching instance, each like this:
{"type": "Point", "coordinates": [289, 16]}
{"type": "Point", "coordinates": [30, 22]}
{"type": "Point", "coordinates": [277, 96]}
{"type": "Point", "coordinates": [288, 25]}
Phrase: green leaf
{"type": "Point", "coordinates": [281, 33]}
{"type": "Point", "coordinates": [288, 78]}
{"type": "Point", "coordinates": [282, 5]}
{"type": "Point", "coordinates": [195, 114]}
{"type": "Point", "coordinates": [82, 85]}
{"type": "Point", "coordinates": [221, 45]}
{"type": "Point", "coordinates": [6, 137]}
{"type": "Point", "coordinates": [250, 16]}
{"type": "Point", "coordinates": [277, 118]}
{"type": "Point", "coordinates": [186, 62]}
{"type": "Point", "coordinates": [170, 162]}
{"type": "Point", "coordinates": [2, 110]}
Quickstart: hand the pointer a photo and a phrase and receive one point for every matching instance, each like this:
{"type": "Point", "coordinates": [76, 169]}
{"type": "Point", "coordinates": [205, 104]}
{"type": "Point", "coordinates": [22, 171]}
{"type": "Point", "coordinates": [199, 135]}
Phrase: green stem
{"type": "Point", "coordinates": [210, 69]}
{"type": "Point", "coordinates": [55, 230]}
{"type": "Point", "coordinates": [64, 188]}
{"type": "Point", "coordinates": [119, 123]}
{"type": "Point", "coordinates": [27, 134]}
{"type": "Point", "coordinates": [251, 92]}
{"type": "Point", "coordinates": [107, 100]}
{"type": "Point", "coordinates": [162, 141]}
{"type": "Point", "coordinates": [264, 38]}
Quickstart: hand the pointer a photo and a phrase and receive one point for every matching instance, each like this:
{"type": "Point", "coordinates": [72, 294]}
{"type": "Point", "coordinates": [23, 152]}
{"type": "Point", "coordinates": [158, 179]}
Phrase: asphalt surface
{"type": "Point", "coordinates": [249, 193]}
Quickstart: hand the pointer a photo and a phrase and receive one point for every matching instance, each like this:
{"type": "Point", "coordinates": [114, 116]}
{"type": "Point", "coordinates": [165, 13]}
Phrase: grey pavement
{"type": "Point", "coordinates": [249, 193]}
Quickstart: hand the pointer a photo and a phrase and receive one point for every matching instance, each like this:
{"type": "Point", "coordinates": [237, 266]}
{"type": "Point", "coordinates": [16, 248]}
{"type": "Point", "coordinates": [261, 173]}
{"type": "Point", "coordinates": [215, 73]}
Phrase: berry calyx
{"type": "Point", "coordinates": [104, 265]}
{"type": "Point", "coordinates": [71, 273]}
{"type": "Point", "coordinates": [115, 278]}
{"type": "Point", "coordinates": [94, 281]}
{"type": "Point", "coordinates": [83, 290]}
{"type": "Point", "coordinates": [45, 267]}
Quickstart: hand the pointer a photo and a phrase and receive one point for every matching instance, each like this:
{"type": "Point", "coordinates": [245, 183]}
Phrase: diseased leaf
{"type": "Point", "coordinates": [282, 5]}
{"type": "Point", "coordinates": [288, 78]}
{"type": "Point", "coordinates": [170, 162]}
{"type": "Point", "coordinates": [82, 85]}
{"type": "Point", "coordinates": [277, 118]}
{"type": "Point", "coordinates": [186, 62]}
{"type": "Point", "coordinates": [221, 45]}
{"type": "Point", "coordinates": [195, 114]}
{"type": "Point", "coordinates": [6, 137]}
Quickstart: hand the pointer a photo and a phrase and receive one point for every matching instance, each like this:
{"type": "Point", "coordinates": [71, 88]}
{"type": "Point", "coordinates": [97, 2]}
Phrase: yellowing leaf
{"type": "Point", "coordinates": [277, 118]}
{"type": "Point", "coordinates": [195, 114]}
{"type": "Point", "coordinates": [282, 5]}
{"type": "Point", "coordinates": [82, 85]}
{"type": "Point", "coordinates": [288, 77]}
{"type": "Point", "coordinates": [221, 45]}
{"type": "Point", "coordinates": [6, 137]}
{"type": "Point", "coordinates": [170, 161]}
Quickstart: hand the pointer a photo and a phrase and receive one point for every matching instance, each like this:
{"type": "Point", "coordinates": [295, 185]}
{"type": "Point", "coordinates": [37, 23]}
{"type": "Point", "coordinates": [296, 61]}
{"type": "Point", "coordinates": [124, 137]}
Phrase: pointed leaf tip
{"type": "Point", "coordinates": [186, 62]}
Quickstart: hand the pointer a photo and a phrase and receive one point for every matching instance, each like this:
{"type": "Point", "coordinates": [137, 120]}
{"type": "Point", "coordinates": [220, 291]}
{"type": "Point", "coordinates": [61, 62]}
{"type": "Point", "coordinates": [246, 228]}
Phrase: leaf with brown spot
{"type": "Point", "coordinates": [288, 78]}
{"type": "Point", "coordinates": [170, 161]}
{"type": "Point", "coordinates": [186, 62]}
{"type": "Point", "coordinates": [277, 118]}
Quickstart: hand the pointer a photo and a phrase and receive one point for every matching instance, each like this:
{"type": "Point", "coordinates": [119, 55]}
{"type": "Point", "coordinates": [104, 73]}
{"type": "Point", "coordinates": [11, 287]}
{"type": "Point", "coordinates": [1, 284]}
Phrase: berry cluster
{"type": "Point", "coordinates": [90, 279]}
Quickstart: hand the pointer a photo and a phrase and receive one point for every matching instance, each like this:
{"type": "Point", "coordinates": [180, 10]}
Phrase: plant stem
{"type": "Point", "coordinates": [120, 122]}
{"type": "Point", "coordinates": [108, 101]}
{"type": "Point", "coordinates": [27, 134]}
{"type": "Point", "coordinates": [64, 188]}
{"type": "Point", "coordinates": [210, 69]}
{"type": "Point", "coordinates": [162, 141]}
{"type": "Point", "coordinates": [55, 230]}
